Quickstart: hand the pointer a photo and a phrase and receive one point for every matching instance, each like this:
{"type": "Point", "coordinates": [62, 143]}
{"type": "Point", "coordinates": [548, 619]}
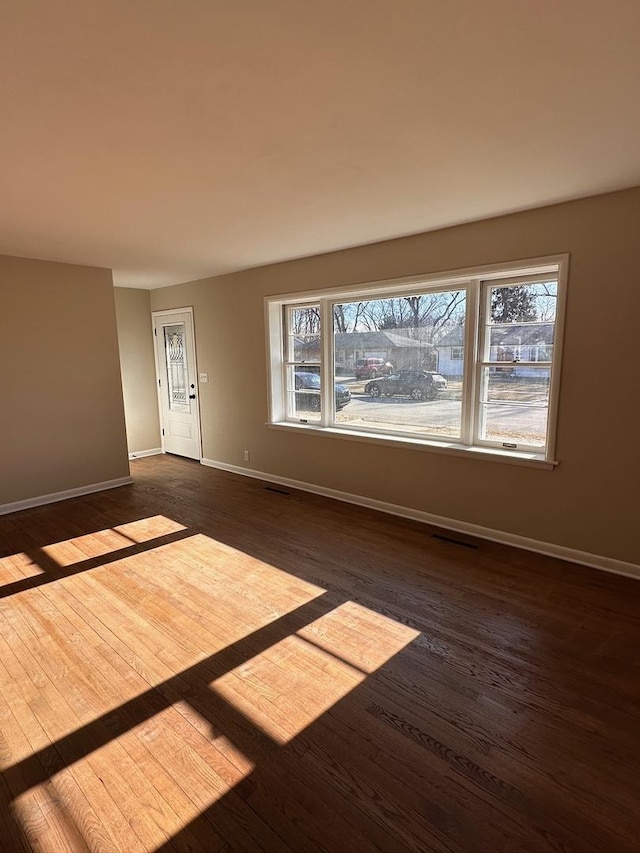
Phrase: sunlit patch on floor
{"type": "Point", "coordinates": [107, 541]}
{"type": "Point", "coordinates": [359, 636]}
{"type": "Point", "coordinates": [108, 792]}
{"type": "Point", "coordinates": [17, 567]}
{"type": "Point", "coordinates": [293, 682]}
{"type": "Point", "coordinates": [146, 529]}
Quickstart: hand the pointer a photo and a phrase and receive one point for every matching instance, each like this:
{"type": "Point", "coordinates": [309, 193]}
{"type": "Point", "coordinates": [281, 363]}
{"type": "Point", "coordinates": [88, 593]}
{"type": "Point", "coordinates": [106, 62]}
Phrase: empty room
{"type": "Point", "coordinates": [318, 467]}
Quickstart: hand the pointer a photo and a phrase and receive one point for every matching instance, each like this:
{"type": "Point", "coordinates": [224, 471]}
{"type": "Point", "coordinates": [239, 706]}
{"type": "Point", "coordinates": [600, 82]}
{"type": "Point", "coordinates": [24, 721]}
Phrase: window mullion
{"type": "Point", "coordinates": [469, 378]}
{"type": "Point", "coordinates": [326, 363]}
{"type": "Point", "coordinates": [483, 313]}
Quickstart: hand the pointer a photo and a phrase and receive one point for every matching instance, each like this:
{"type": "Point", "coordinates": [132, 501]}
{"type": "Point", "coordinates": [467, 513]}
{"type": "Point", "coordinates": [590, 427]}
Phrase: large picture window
{"type": "Point", "coordinates": [462, 361]}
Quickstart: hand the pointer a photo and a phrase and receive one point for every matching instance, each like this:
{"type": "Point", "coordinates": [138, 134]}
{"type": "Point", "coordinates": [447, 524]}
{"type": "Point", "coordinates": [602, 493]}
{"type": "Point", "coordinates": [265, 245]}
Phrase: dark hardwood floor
{"type": "Point", "coordinates": [198, 662]}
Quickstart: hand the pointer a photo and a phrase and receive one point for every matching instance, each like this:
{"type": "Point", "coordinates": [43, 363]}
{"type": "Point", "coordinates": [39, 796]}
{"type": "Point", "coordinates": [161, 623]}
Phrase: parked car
{"type": "Point", "coordinates": [307, 386]}
{"type": "Point", "coordinates": [369, 368]}
{"type": "Point", "coordinates": [417, 384]}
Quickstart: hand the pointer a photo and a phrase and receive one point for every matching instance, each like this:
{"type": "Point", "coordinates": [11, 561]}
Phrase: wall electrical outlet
{"type": "Point", "coordinates": [247, 456]}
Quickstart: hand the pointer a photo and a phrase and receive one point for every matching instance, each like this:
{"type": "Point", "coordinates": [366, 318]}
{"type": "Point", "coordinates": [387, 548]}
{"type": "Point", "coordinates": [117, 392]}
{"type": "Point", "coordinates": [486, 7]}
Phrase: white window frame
{"type": "Point", "coordinates": [477, 282]}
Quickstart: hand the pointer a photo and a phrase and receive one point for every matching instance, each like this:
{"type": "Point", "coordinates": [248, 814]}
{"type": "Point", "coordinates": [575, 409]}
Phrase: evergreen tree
{"type": "Point", "coordinates": [513, 304]}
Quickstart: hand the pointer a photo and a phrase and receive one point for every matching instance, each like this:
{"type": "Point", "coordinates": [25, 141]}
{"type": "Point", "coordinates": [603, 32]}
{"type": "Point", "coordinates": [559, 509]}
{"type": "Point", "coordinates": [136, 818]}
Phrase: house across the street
{"type": "Point", "coordinates": [400, 350]}
{"type": "Point", "coordinates": [518, 342]}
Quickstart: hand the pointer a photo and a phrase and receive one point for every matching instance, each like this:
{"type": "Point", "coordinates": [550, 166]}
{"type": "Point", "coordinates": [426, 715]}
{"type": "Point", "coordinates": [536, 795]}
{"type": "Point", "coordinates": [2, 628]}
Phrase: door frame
{"type": "Point", "coordinates": [187, 311]}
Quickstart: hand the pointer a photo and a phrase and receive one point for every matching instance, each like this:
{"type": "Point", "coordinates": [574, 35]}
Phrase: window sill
{"type": "Point", "coordinates": [486, 454]}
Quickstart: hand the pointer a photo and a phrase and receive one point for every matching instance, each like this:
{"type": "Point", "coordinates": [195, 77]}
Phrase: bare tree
{"type": "Point", "coordinates": [547, 303]}
{"type": "Point", "coordinates": [349, 316]}
{"type": "Point", "coordinates": [425, 315]}
{"type": "Point", "coordinates": [306, 321]}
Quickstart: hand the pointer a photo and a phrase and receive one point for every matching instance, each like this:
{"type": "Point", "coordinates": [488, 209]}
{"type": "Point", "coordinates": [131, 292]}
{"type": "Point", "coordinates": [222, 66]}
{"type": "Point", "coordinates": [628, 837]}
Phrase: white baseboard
{"type": "Point", "coordinates": [138, 454]}
{"type": "Point", "coordinates": [607, 564]}
{"type": "Point", "coordinates": [5, 509]}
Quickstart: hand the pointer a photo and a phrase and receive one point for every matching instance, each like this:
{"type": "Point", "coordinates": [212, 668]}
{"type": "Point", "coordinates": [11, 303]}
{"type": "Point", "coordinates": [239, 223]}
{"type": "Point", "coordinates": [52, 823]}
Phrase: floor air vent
{"type": "Point", "coordinates": [276, 489]}
{"type": "Point", "coordinates": [454, 541]}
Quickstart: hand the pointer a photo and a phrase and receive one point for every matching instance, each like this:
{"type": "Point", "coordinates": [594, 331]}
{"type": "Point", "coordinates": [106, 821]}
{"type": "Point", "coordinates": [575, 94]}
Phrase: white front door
{"type": "Point", "coordinates": [177, 382]}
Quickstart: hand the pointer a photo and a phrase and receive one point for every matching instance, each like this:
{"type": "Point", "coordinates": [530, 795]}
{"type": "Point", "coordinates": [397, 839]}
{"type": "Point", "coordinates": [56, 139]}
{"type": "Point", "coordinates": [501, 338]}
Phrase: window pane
{"type": "Point", "coordinates": [400, 359]}
{"type": "Point", "coordinates": [303, 394]}
{"type": "Point", "coordinates": [524, 303]}
{"type": "Point", "coordinates": [528, 385]}
{"type": "Point", "coordinates": [303, 347]}
{"type": "Point", "coordinates": [514, 406]}
{"type": "Point", "coordinates": [304, 335]}
{"type": "Point", "coordinates": [521, 322]}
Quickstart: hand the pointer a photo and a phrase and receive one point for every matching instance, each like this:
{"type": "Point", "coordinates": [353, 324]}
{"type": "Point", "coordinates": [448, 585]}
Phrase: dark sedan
{"type": "Point", "coordinates": [308, 393]}
{"type": "Point", "coordinates": [417, 384]}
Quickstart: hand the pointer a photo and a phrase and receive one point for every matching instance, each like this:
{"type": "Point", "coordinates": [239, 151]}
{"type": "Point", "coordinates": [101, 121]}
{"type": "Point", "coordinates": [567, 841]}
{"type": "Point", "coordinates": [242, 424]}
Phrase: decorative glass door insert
{"type": "Point", "coordinates": [177, 378]}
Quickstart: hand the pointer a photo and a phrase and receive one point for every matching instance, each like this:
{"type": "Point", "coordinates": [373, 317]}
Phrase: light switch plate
{"type": "Point", "coordinates": [204, 377]}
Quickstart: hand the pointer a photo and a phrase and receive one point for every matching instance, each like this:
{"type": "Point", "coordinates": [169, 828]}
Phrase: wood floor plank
{"type": "Point", "coordinates": [213, 666]}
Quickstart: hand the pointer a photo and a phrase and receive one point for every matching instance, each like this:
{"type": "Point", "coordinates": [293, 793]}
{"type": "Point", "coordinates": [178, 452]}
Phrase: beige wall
{"type": "Point", "coordinates": [588, 503]}
{"type": "Point", "coordinates": [62, 420]}
{"type": "Point", "coordinates": [133, 313]}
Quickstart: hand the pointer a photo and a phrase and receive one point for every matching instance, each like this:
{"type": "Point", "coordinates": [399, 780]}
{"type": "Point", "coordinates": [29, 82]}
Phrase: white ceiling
{"type": "Point", "coordinates": [175, 139]}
